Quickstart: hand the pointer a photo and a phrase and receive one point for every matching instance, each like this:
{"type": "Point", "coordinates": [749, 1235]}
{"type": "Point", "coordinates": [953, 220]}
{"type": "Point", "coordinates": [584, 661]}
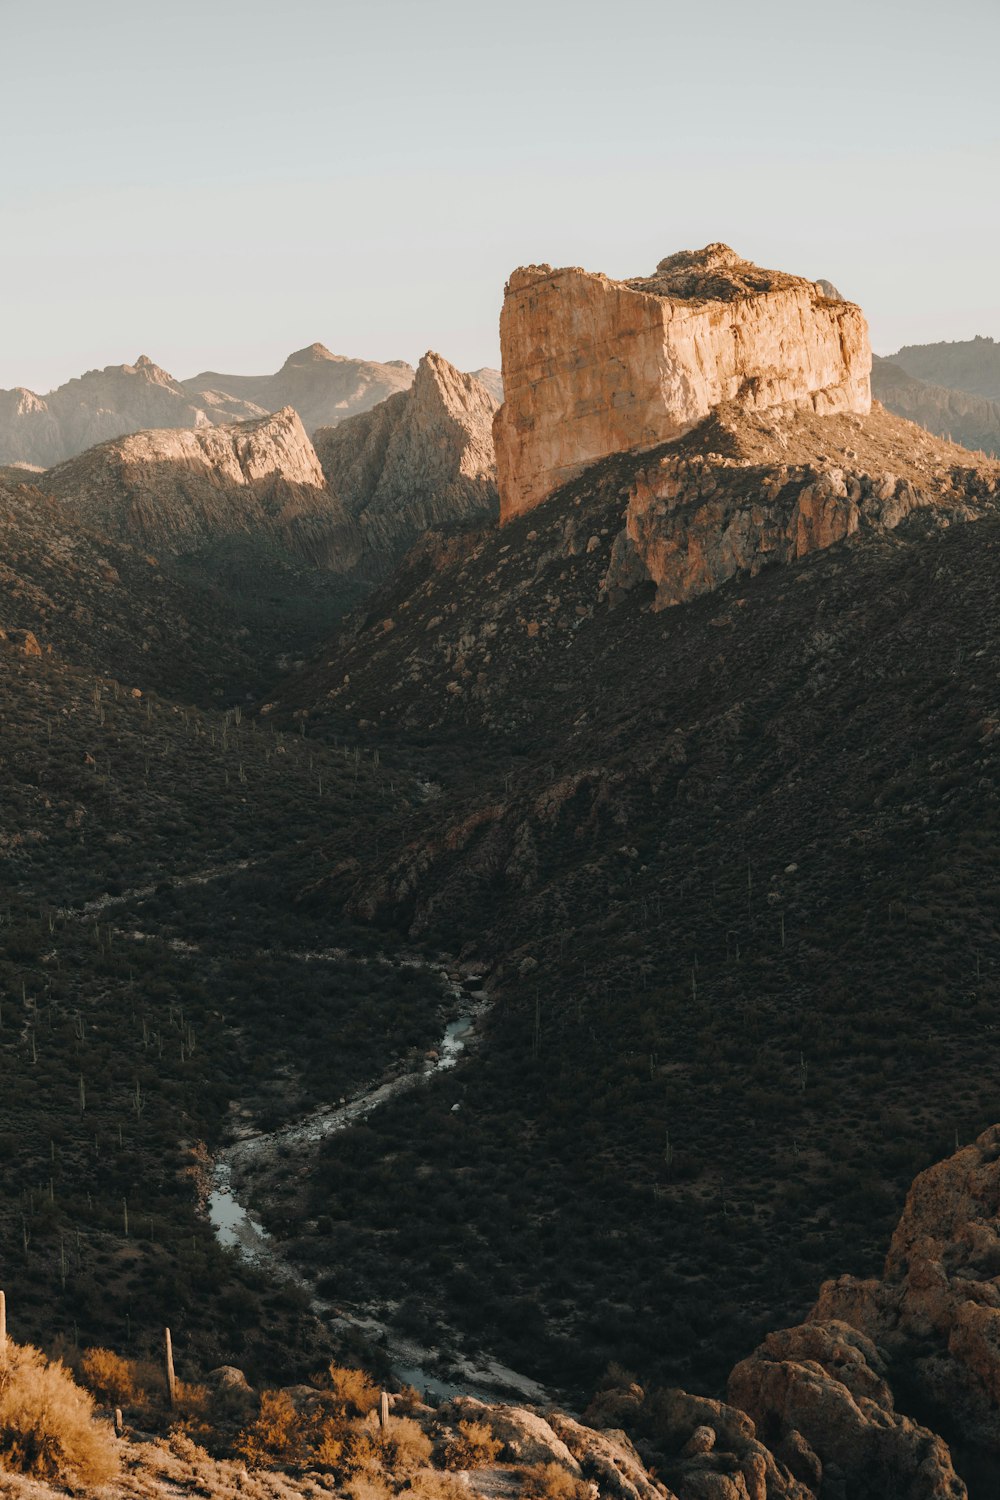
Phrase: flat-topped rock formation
{"type": "Point", "coordinates": [178, 491]}
{"type": "Point", "coordinates": [593, 367]}
{"type": "Point", "coordinates": [421, 459]}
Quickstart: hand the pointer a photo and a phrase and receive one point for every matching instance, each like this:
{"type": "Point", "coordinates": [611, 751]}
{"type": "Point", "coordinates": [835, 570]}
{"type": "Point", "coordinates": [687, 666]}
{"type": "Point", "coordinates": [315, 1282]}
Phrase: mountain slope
{"type": "Point", "coordinates": [971, 365]}
{"type": "Point", "coordinates": [180, 491]}
{"type": "Point", "coordinates": [423, 458]}
{"type": "Point", "coordinates": [730, 869]}
{"type": "Point", "coordinates": [122, 399]}
{"type": "Point", "coordinates": [324, 388]}
{"type": "Point", "coordinates": [99, 405]}
{"type": "Point", "coordinates": [971, 420]}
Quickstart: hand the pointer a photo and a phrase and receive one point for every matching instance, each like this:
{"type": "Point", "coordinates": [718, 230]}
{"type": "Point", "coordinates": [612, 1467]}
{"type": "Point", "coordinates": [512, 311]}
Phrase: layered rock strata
{"type": "Point", "coordinates": [423, 458]}
{"type": "Point", "coordinates": [593, 366]}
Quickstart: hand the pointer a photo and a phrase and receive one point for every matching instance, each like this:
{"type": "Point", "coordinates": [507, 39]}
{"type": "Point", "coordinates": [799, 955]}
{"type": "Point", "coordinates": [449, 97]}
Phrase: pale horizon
{"type": "Point", "coordinates": [215, 187]}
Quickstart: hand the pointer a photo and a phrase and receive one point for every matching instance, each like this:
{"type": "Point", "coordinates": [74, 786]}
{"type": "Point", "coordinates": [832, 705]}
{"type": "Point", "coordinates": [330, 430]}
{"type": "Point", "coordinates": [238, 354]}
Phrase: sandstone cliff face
{"type": "Point", "coordinates": [422, 458]}
{"type": "Point", "coordinates": [593, 367]}
{"type": "Point", "coordinates": [177, 491]}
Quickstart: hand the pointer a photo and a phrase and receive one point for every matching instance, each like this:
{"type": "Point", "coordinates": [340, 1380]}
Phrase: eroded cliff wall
{"type": "Point", "coordinates": [593, 366]}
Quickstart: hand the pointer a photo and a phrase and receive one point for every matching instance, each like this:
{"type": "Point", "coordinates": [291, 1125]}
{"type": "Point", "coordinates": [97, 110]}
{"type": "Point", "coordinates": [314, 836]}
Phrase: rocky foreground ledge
{"type": "Point", "coordinates": [812, 1414]}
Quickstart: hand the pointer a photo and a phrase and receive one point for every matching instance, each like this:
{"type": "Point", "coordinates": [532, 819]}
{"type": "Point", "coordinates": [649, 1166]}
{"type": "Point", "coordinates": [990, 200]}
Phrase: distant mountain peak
{"type": "Point", "coordinates": [313, 354]}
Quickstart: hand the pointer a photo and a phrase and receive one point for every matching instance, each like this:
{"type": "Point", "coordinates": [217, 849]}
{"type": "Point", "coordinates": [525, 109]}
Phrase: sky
{"type": "Point", "coordinates": [216, 183]}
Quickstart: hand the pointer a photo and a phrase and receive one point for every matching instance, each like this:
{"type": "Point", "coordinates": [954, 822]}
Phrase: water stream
{"type": "Point", "coordinates": [237, 1229]}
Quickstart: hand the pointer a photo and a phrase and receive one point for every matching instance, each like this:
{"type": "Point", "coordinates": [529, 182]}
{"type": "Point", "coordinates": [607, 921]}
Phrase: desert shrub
{"type": "Point", "coordinates": [553, 1482]}
{"type": "Point", "coordinates": [112, 1379]}
{"type": "Point", "coordinates": [472, 1447]}
{"type": "Point", "coordinates": [404, 1447]}
{"type": "Point", "coordinates": [47, 1425]}
{"type": "Point", "coordinates": [431, 1484]}
{"type": "Point", "coordinates": [350, 1391]}
{"type": "Point", "coordinates": [367, 1487]}
{"type": "Point", "coordinates": [276, 1435]}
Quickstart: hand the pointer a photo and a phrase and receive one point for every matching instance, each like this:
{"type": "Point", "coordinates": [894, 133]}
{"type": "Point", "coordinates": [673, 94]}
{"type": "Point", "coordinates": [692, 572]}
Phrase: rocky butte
{"type": "Point", "coordinates": [421, 458]}
{"type": "Point", "coordinates": [593, 367]}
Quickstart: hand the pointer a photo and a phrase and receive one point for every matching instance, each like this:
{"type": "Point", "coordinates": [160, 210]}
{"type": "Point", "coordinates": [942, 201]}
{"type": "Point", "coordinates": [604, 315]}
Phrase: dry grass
{"type": "Point", "coordinates": [47, 1424]}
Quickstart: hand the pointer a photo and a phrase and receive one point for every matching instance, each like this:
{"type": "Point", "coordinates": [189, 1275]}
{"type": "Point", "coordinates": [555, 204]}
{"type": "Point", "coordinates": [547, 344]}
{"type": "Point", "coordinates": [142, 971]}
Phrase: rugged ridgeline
{"type": "Point", "coordinates": [352, 505]}
{"type": "Point", "coordinates": [180, 491]}
{"type": "Point", "coordinates": [424, 458]}
{"type": "Point", "coordinates": [324, 388]}
{"type": "Point", "coordinates": [970, 365]}
{"type": "Point", "coordinates": [953, 413]}
{"type": "Point", "coordinates": [488, 618]}
{"type": "Point", "coordinates": [593, 367]}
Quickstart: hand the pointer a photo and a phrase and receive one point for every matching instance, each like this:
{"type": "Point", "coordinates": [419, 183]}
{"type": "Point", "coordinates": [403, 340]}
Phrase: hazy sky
{"type": "Point", "coordinates": [217, 182]}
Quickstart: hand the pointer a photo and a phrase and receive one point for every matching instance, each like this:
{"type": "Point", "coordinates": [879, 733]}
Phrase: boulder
{"type": "Point", "coordinates": [824, 1383]}
{"type": "Point", "coordinates": [526, 1436]}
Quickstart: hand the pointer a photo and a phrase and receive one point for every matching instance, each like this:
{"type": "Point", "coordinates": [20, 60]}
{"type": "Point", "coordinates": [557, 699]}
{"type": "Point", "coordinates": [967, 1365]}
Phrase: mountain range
{"type": "Point", "coordinates": [575, 954]}
{"type": "Point", "coordinates": [324, 388]}
{"type": "Point", "coordinates": [952, 389]}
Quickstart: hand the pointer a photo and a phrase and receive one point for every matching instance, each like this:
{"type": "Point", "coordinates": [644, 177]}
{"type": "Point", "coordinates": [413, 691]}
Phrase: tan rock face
{"type": "Point", "coordinates": [593, 366]}
{"type": "Point", "coordinates": [937, 1309]}
{"type": "Point", "coordinates": [423, 458]}
{"type": "Point", "coordinates": [819, 1392]}
{"type": "Point", "coordinates": [691, 523]}
{"type": "Point", "coordinates": [177, 490]}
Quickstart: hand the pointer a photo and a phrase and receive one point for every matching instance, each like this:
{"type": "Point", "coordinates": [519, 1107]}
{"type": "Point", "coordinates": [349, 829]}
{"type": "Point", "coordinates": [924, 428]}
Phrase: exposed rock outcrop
{"type": "Point", "coordinates": [819, 1394]}
{"type": "Point", "coordinates": [422, 458]}
{"type": "Point", "coordinates": [593, 366]}
{"type": "Point", "coordinates": [179, 491]}
{"type": "Point", "coordinates": [937, 1308]}
{"type": "Point", "coordinates": [694, 519]}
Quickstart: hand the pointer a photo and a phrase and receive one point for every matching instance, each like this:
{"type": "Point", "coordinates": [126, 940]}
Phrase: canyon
{"type": "Point", "coordinates": [668, 729]}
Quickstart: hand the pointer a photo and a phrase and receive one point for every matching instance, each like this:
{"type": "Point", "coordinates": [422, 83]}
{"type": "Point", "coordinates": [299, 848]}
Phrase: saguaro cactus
{"type": "Point", "coordinates": [171, 1378]}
